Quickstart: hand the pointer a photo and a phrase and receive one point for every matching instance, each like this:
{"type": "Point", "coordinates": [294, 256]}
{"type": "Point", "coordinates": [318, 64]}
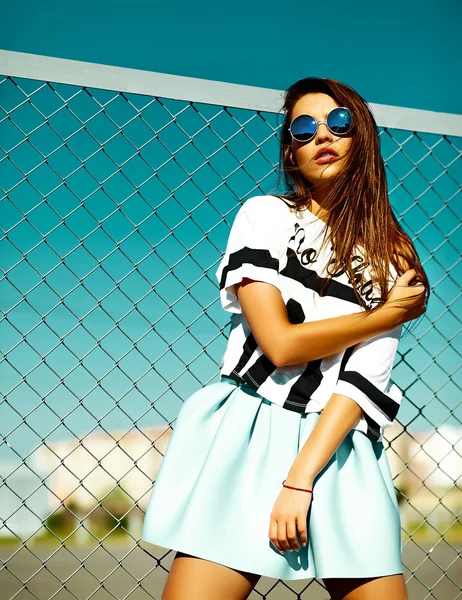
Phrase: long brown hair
{"type": "Point", "coordinates": [357, 204]}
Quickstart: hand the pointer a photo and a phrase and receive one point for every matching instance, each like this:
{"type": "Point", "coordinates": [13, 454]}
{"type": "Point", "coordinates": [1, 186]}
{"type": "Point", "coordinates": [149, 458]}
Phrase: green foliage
{"type": "Point", "coordinates": [62, 522]}
{"type": "Point", "coordinates": [112, 512]}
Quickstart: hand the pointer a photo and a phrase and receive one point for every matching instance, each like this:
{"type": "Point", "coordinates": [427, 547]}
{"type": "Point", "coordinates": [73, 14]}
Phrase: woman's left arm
{"type": "Point", "coordinates": [290, 510]}
{"type": "Point", "coordinates": [363, 391]}
{"type": "Point", "coordinates": [337, 418]}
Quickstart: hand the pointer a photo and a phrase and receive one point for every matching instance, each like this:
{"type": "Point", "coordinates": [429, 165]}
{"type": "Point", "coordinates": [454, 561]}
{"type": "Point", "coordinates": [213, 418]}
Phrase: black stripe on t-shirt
{"type": "Point", "coordinates": [346, 357]}
{"type": "Point", "coordinates": [245, 255]}
{"type": "Point", "coordinates": [373, 428]}
{"type": "Point", "coordinates": [295, 312]}
{"type": "Point", "coordinates": [310, 279]}
{"type": "Point", "coordinates": [259, 372]}
{"type": "Point", "coordinates": [250, 345]}
{"type": "Point", "coordinates": [309, 381]}
{"type": "Point", "coordinates": [383, 402]}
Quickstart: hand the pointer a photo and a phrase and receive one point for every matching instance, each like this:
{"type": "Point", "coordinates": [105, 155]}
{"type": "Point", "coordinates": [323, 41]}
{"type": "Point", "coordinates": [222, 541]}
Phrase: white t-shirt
{"type": "Point", "coordinates": [273, 243]}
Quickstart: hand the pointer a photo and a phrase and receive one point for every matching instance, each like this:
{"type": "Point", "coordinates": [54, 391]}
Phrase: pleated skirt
{"type": "Point", "coordinates": [223, 470]}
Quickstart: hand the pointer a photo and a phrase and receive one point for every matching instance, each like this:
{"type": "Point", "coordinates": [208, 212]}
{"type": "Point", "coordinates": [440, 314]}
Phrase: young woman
{"type": "Point", "coordinates": [279, 469]}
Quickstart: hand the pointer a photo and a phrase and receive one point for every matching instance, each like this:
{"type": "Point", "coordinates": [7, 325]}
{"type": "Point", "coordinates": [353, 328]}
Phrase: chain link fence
{"type": "Point", "coordinates": [114, 213]}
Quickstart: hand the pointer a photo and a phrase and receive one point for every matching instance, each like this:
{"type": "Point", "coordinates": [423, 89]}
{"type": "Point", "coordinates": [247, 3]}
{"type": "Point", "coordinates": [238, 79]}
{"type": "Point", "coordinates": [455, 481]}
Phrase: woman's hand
{"type": "Point", "coordinates": [406, 299]}
{"type": "Point", "coordinates": [288, 516]}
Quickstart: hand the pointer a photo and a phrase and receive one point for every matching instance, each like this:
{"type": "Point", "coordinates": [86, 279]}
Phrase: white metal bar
{"type": "Point", "coordinates": [121, 79]}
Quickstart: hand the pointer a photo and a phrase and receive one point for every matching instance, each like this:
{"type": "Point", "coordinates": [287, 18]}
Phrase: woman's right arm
{"type": "Point", "coordinates": [285, 343]}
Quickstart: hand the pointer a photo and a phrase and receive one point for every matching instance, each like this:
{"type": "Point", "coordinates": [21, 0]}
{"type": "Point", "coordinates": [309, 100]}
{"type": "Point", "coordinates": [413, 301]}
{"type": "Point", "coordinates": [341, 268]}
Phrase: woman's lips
{"type": "Point", "coordinates": [324, 160]}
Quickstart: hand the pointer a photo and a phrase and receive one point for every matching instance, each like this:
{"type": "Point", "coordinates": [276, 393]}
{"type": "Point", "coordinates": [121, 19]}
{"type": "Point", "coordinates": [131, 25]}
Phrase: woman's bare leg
{"type": "Point", "coordinates": [193, 578]}
{"type": "Point", "coordinates": [375, 588]}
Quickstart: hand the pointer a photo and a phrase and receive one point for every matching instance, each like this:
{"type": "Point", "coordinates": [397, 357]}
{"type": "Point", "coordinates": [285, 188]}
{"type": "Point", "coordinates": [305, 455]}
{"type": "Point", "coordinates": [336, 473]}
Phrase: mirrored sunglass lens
{"type": "Point", "coordinates": [303, 128]}
{"type": "Point", "coordinates": [339, 120]}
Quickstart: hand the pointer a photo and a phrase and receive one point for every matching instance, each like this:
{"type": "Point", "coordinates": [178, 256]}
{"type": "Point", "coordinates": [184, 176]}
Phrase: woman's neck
{"type": "Point", "coordinates": [318, 197]}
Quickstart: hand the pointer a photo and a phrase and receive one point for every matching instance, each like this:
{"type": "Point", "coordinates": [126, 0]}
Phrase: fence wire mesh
{"type": "Point", "coordinates": [114, 214]}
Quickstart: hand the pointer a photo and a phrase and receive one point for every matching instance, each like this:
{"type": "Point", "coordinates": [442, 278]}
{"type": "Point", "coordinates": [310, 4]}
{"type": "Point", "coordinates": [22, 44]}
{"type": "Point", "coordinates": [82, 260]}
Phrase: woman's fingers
{"type": "Point", "coordinates": [406, 277]}
{"type": "Point", "coordinates": [273, 534]}
{"type": "Point", "coordinates": [407, 296]}
{"type": "Point", "coordinates": [292, 535]}
{"type": "Point", "coordinates": [283, 533]}
{"type": "Point", "coordinates": [409, 279]}
{"type": "Point", "coordinates": [302, 529]}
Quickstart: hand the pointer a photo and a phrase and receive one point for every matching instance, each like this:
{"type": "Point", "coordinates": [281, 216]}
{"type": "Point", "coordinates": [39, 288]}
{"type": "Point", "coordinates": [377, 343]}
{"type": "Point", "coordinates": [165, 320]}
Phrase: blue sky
{"type": "Point", "coordinates": [404, 57]}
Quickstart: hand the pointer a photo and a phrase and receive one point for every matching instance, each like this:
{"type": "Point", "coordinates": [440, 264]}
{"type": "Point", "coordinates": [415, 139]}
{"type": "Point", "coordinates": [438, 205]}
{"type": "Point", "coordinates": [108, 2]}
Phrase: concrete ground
{"type": "Point", "coordinates": [139, 573]}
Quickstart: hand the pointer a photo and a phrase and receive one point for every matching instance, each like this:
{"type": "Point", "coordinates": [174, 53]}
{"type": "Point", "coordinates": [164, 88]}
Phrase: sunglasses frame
{"type": "Point", "coordinates": [319, 122]}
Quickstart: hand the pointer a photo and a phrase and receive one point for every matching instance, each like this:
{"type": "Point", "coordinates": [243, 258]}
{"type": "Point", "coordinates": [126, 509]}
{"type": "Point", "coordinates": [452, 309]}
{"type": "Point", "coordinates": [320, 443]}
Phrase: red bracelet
{"type": "Point", "coordinates": [294, 488]}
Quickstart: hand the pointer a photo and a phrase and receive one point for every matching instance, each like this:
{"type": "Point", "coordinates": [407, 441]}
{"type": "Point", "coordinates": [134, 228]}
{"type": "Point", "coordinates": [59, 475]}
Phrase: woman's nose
{"type": "Point", "coordinates": [323, 133]}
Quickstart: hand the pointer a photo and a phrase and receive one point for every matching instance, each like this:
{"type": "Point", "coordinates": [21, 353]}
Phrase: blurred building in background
{"type": "Point", "coordinates": [85, 471]}
{"type": "Point", "coordinates": [24, 500]}
{"type": "Point", "coordinates": [427, 470]}
{"type": "Point", "coordinates": [79, 475]}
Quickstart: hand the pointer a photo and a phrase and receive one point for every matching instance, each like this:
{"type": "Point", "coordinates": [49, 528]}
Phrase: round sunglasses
{"type": "Point", "coordinates": [304, 127]}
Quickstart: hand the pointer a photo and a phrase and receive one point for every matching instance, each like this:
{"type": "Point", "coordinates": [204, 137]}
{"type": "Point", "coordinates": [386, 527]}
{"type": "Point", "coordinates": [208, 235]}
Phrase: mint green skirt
{"type": "Point", "coordinates": [222, 472]}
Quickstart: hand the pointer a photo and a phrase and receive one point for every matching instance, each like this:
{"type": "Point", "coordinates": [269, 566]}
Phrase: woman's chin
{"type": "Point", "coordinates": [322, 178]}
{"type": "Point", "coordinates": [323, 174]}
